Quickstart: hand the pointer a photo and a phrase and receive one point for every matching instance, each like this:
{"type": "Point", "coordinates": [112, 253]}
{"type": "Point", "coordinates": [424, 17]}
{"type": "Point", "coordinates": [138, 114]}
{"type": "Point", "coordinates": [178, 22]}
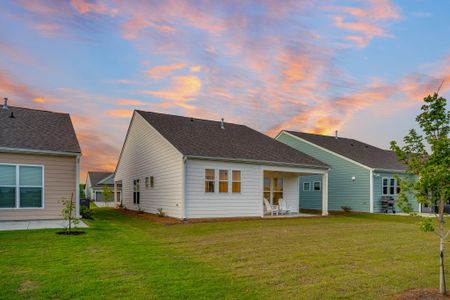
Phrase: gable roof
{"type": "Point", "coordinates": [33, 129]}
{"type": "Point", "coordinates": [360, 152]}
{"type": "Point", "coordinates": [205, 138]}
{"type": "Point", "coordinates": [97, 177]}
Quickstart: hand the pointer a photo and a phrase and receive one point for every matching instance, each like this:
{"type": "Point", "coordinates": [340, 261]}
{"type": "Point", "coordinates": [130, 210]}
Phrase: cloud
{"type": "Point", "coordinates": [119, 113]}
{"type": "Point", "coordinates": [365, 23]}
{"type": "Point", "coordinates": [85, 7]}
{"type": "Point", "coordinates": [159, 72]}
{"type": "Point", "coordinates": [181, 90]}
{"type": "Point", "coordinates": [130, 102]}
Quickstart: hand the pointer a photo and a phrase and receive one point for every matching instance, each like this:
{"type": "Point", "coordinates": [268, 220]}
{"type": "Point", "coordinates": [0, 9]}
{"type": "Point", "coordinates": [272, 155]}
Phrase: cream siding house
{"type": "Point", "coordinates": [39, 163]}
{"type": "Point", "coordinates": [194, 168]}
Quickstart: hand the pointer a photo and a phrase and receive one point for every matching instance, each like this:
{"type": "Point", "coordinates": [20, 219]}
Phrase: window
{"type": "Point", "coordinates": [152, 182]}
{"type": "Point", "coordinates": [267, 188]}
{"type": "Point", "coordinates": [307, 186]}
{"type": "Point", "coordinates": [136, 192]}
{"type": "Point", "coordinates": [223, 181]}
{"type": "Point", "coordinates": [390, 186]}
{"type": "Point", "coordinates": [21, 186]}
{"type": "Point", "coordinates": [385, 186]}
{"type": "Point", "coordinates": [210, 180]}
{"type": "Point", "coordinates": [236, 181]}
{"type": "Point", "coordinates": [147, 182]}
{"type": "Point", "coordinates": [277, 190]}
{"type": "Point", "coordinates": [317, 185]}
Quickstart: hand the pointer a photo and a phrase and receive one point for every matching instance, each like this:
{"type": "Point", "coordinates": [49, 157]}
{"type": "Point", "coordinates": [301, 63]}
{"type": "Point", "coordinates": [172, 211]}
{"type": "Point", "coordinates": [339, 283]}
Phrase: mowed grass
{"type": "Point", "coordinates": [357, 256]}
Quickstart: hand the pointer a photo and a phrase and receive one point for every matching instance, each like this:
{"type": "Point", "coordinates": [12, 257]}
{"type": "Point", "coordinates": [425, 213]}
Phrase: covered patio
{"type": "Point", "coordinates": [281, 191]}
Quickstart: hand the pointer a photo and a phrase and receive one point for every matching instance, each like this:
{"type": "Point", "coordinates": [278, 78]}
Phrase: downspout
{"type": "Point", "coordinates": [77, 187]}
{"type": "Point", "coordinates": [371, 190]}
{"type": "Point", "coordinates": [183, 188]}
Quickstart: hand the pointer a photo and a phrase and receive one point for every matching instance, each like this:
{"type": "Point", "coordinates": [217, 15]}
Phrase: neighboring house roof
{"type": "Point", "coordinates": [360, 152]}
{"type": "Point", "coordinates": [205, 138]}
{"type": "Point", "coordinates": [32, 129]}
{"type": "Point", "coordinates": [98, 178]}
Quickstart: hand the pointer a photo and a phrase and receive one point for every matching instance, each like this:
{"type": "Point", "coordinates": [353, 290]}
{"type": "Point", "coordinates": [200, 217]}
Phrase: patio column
{"type": "Point", "coordinates": [115, 194]}
{"type": "Point", "coordinates": [325, 194]}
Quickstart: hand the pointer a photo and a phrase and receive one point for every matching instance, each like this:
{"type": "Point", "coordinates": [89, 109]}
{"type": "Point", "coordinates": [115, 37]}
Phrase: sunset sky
{"type": "Point", "coordinates": [360, 67]}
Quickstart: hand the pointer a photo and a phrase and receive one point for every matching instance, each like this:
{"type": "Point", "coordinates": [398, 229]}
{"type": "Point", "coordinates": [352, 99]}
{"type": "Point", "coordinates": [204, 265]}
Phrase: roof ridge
{"type": "Point", "coordinates": [184, 117]}
{"type": "Point", "coordinates": [41, 110]}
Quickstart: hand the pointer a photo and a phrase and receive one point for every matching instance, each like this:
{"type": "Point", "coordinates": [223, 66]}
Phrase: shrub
{"type": "Point", "coordinates": [346, 209]}
{"type": "Point", "coordinates": [86, 212]}
{"type": "Point", "coordinates": [161, 213]}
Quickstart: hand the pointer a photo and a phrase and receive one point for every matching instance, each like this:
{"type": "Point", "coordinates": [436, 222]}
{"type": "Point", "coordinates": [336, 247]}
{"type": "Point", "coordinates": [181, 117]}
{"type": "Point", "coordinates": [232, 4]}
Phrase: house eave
{"type": "Point", "coordinates": [41, 152]}
{"type": "Point", "coordinates": [389, 170]}
{"type": "Point", "coordinates": [257, 162]}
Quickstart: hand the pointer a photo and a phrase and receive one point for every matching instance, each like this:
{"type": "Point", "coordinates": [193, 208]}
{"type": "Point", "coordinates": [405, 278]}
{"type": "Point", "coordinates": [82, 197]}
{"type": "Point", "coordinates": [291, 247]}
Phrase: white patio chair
{"type": "Point", "coordinates": [271, 209]}
{"type": "Point", "coordinates": [283, 207]}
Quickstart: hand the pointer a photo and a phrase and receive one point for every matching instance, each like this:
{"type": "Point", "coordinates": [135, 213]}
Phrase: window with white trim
{"type": "Point", "coordinates": [317, 186]}
{"type": "Point", "coordinates": [236, 181]}
{"type": "Point", "coordinates": [136, 191]}
{"type": "Point", "coordinates": [390, 186]}
{"type": "Point", "coordinates": [306, 186]}
{"type": "Point", "coordinates": [210, 180]}
{"type": "Point", "coordinates": [21, 186]}
{"type": "Point", "coordinates": [223, 181]}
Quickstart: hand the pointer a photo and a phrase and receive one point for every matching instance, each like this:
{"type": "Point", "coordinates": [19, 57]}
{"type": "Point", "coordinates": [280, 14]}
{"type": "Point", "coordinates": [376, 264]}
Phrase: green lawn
{"type": "Point", "coordinates": [360, 256]}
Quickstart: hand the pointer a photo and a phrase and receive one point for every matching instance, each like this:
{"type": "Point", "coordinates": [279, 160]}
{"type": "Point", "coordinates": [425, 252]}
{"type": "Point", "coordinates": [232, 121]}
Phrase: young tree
{"type": "Point", "coordinates": [68, 214]}
{"type": "Point", "coordinates": [428, 157]}
{"type": "Point", "coordinates": [107, 194]}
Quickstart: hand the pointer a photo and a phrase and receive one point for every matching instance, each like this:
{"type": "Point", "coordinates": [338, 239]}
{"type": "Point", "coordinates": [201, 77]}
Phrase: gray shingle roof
{"type": "Point", "coordinates": [205, 138]}
{"type": "Point", "coordinates": [37, 130]}
{"type": "Point", "coordinates": [96, 177]}
{"type": "Point", "coordinates": [363, 153]}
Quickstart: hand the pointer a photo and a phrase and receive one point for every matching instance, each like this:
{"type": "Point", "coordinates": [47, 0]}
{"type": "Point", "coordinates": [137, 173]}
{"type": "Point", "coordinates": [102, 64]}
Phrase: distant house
{"type": "Point", "coordinates": [39, 163]}
{"type": "Point", "coordinates": [95, 181]}
{"type": "Point", "coordinates": [195, 168]}
{"type": "Point", "coordinates": [360, 175]}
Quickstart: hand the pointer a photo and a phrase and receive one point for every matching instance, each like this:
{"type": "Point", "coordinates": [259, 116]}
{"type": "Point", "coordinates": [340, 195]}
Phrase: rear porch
{"type": "Point", "coordinates": [281, 191]}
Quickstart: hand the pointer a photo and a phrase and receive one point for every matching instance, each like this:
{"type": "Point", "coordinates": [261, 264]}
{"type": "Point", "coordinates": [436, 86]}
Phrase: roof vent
{"type": "Point", "coordinates": [221, 124]}
{"type": "Point", "coordinates": [5, 104]}
{"type": "Point", "coordinates": [192, 119]}
{"type": "Point", "coordinates": [12, 115]}
{"type": "Point", "coordinates": [336, 134]}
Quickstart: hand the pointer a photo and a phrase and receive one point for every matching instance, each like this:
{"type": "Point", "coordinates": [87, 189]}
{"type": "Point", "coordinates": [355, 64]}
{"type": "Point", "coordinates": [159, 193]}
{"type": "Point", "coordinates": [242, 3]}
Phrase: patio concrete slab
{"type": "Point", "coordinates": [35, 224]}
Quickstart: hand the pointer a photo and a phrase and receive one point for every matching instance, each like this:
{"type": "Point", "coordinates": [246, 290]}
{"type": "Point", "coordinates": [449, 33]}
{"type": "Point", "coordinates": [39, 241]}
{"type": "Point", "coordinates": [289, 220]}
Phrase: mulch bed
{"type": "Point", "coordinates": [70, 233]}
{"type": "Point", "coordinates": [172, 221]}
{"type": "Point", "coordinates": [420, 294]}
{"type": "Point", "coordinates": [150, 217]}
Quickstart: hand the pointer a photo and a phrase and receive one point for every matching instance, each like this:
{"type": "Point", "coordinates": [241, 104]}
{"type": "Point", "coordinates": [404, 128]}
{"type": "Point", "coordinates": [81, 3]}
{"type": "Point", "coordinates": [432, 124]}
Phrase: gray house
{"type": "Point", "coordinates": [361, 175]}
{"type": "Point", "coordinates": [95, 182]}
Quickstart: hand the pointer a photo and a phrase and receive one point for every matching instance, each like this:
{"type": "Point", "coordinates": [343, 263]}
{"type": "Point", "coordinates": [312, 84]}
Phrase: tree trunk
{"type": "Point", "coordinates": [442, 288]}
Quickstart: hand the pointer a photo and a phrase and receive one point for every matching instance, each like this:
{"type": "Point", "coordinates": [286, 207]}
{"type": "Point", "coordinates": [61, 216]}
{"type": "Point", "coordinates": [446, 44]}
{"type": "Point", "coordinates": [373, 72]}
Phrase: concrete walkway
{"type": "Point", "coordinates": [35, 224]}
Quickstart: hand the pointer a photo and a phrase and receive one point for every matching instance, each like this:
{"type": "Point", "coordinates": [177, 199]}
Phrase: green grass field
{"type": "Point", "coordinates": [358, 256]}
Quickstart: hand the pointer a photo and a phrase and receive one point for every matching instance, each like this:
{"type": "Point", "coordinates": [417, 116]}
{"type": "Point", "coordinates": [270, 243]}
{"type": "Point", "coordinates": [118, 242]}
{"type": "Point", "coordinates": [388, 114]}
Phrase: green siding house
{"type": "Point", "coordinates": [360, 174]}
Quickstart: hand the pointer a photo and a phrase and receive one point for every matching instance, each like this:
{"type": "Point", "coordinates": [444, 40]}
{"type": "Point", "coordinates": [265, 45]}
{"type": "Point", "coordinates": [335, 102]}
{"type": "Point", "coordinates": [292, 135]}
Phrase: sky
{"type": "Point", "coordinates": [361, 67]}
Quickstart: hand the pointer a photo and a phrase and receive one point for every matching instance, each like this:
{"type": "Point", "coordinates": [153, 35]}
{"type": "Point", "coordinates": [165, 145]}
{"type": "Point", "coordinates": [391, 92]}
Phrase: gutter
{"type": "Point", "coordinates": [258, 162]}
{"type": "Point", "coordinates": [33, 151]}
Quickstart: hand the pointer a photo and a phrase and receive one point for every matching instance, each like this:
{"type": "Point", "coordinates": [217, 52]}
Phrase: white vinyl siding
{"type": "Point", "coordinates": [216, 205]}
{"type": "Point", "coordinates": [145, 153]}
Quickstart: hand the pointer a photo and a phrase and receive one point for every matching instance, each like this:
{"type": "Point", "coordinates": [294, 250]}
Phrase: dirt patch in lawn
{"type": "Point", "coordinates": [27, 286]}
{"type": "Point", "coordinates": [420, 294]}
